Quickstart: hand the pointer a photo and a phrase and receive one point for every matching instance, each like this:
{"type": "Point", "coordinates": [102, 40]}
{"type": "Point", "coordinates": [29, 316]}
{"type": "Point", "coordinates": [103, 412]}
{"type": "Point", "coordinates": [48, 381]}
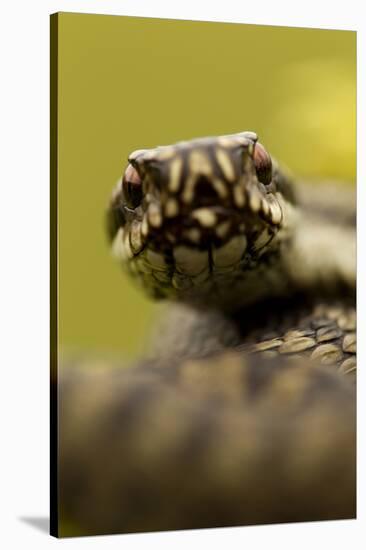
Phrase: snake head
{"type": "Point", "coordinates": [207, 205]}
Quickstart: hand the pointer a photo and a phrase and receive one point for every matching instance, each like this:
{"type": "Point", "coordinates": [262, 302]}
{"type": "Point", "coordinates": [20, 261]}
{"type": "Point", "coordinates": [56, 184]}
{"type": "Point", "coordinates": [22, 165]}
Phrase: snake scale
{"type": "Point", "coordinates": [243, 411]}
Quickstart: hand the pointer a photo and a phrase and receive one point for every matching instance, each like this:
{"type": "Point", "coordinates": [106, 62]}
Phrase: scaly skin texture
{"type": "Point", "coordinates": [227, 440]}
{"type": "Point", "coordinates": [244, 410]}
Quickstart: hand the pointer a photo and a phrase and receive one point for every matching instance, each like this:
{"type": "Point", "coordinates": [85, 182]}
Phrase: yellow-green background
{"type": "Point", "coordinates": [128, 83]}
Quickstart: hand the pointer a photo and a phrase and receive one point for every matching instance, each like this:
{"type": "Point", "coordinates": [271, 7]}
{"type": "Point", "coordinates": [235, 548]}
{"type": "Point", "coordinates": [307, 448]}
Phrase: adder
{"type": "Point", "coordinates": [243, 411]}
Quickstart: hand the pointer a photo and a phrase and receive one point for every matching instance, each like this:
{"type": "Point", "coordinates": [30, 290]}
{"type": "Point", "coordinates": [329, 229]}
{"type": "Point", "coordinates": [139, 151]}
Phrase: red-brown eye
{"type": "Point", "coordinates": [132, 187]}
{"type": "Point", "coordinates": [263, 164]}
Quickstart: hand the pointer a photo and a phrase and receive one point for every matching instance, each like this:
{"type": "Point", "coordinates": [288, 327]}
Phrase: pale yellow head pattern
{"type": "Point", "coordinates": [196, 217]}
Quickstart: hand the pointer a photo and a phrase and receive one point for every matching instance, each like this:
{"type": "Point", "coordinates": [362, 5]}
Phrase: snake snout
{"type": "Point", "coordinates": [205, 193]}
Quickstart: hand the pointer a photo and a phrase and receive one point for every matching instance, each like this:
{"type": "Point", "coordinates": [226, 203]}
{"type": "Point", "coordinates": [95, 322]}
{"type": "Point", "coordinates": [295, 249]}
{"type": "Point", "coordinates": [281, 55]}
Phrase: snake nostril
{"type": "Point", "coordinates": [205, 194]}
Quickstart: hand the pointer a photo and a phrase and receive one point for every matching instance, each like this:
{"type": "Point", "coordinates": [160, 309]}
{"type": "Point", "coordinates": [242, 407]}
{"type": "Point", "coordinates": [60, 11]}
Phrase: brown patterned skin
{"type": "Point", "coordinates": [240, 415]}
{"type": "Point", "coordinates": [221, 441]}
{"type": "Point", "coordinates": [233, 438]}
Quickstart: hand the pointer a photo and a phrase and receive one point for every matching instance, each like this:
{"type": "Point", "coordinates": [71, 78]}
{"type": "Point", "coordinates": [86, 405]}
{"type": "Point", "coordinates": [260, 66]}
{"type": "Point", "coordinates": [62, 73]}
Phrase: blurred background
{"type": "Point", "coordinates": [129, 83]}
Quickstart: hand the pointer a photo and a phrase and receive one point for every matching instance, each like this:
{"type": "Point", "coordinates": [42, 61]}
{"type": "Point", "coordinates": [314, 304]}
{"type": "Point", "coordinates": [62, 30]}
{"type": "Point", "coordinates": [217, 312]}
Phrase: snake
{"type": "Point", "coordinates": [243, 409]}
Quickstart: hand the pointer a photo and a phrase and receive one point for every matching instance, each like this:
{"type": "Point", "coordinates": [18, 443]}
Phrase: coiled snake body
{"type": "Point", "coordinates": [244, 411]}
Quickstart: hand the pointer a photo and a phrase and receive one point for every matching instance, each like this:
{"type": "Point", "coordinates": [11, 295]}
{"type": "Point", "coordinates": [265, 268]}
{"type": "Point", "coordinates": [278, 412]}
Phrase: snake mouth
{"type": "Point", "coordinates": [170, 249]}
{"type": "Point", "coordinates": [178, 256]}
{"type": "Point", "coordinates": [238, 230]}
{"type": "Point", "coordinates": [255, 214]}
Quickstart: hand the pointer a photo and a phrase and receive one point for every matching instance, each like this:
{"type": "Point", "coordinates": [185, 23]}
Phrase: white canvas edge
{"type": "Point", "coordinates": [24, 273]}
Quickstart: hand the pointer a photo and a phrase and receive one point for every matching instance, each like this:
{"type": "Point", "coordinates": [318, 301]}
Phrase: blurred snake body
{"type": "Point", "coordinates": [244, 409]}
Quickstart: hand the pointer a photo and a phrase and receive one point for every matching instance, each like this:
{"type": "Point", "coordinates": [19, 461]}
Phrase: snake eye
{"type": "Point", "coordinates": [263, 164]}
{"type": "Point", "coordinates": [132, 187]}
